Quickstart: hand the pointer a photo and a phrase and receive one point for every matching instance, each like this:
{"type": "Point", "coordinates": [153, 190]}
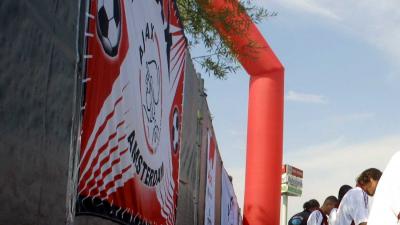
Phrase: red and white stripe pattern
{"type": "Point", "coordinates": [106, 157]}
{"type": "Point", "coordinates": [106, 167]}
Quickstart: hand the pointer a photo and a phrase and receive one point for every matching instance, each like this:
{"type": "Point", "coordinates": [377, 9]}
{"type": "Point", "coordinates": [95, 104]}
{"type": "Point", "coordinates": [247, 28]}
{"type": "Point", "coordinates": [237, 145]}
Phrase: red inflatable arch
{"type": "Point", "coordinates": [265, 118]}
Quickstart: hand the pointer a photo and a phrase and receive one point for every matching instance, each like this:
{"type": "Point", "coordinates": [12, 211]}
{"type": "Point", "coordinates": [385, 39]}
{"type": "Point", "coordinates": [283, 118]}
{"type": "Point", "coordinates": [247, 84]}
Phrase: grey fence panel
{"type": "Point", "coordinates": [189, 160]}
{"type": "Point", "coordinates": [37, 63]}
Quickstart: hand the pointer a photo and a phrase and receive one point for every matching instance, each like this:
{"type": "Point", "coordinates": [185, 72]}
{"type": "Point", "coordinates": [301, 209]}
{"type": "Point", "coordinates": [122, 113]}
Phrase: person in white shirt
{"type": "Point", "coordinates": [342, 191]}
{"type": "Point", "coordinates": [353, 208]}
{"type": "Point", "coordinates": [385, 209]}
{"type": "Point", "coordinates": [319, 217]}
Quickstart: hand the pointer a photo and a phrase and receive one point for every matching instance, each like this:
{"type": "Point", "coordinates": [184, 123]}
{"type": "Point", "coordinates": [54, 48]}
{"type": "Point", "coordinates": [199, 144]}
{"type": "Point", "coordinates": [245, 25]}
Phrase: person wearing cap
{"type": "Point", "coordinates": [319, 217]}
{"type": "Point", "coordinates": [302, 217]}
{"type": "Point", "coordinates": [385, 209]}
{"type": "Point", "coordinates": [353, 208]}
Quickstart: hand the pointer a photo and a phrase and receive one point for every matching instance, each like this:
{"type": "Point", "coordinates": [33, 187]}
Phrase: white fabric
{"type": "Point", "coordinates": [315, 218]}
{"type": "Point", "coordinates": [332, 216]}
{"type": "Point", "coordinates": [386, 205]}
{"type": "Point", "coordinates": [209, 210]}
{"type": "Point", "coordinates": [229, 204]}
{"type": "Point", "coordinates": [353, 207]}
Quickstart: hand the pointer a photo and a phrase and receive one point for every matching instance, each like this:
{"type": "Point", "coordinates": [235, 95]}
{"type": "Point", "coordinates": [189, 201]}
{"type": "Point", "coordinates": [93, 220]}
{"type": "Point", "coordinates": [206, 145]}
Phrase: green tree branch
{"type": "Point", "coordinates": [220, 58]}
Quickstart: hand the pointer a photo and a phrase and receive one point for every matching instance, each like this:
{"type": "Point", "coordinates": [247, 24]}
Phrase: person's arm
{"type": "Point", "coordinates": [361, 217]}
{"type": "Point", "coordinates": [313, 219]}
{"type": "Point", "coordinates": [360, 207]}
{"type": "Point", "coordinates": [332, 216]}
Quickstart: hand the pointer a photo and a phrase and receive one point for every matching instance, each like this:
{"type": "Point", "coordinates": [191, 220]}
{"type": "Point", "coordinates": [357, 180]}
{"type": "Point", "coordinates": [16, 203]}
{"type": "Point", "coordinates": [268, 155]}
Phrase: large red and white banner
{"type": "Point", "coordinates": [229, 204]}
{"type": "Point", "coordinates": [209, 210]}
{"type": "Point", "coordinates": [131, 124]}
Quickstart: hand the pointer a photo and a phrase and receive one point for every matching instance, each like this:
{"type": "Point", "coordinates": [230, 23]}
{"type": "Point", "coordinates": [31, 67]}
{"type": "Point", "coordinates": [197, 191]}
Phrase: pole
{"type": "Point", "coordinates": [284, 209]}
{"type": "Point", "coordinates": [264, 151]}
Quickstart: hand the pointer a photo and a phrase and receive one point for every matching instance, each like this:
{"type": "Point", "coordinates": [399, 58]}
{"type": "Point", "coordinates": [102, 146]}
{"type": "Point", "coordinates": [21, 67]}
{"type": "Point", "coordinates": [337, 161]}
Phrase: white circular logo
{"type": "Point", "coordinates": [151, 86]}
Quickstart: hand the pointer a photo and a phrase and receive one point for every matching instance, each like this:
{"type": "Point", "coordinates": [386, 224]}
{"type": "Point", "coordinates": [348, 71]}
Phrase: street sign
{"type": "Point", "coordinates": [292, 181]}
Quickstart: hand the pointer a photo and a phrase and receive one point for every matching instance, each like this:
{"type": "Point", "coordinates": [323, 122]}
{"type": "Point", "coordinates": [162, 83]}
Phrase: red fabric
{"type": "Point", "coordinates": [261, 62]}
{"type": "Point", "coordinates": [265, 116]}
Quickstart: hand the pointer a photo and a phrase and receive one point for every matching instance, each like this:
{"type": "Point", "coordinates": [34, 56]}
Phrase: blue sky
{"type": "Point", "coordinates": [342, 111]}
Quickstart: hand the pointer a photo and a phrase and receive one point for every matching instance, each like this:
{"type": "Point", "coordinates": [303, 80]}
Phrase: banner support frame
{"type": "Point", "coordinates": [80, 48]}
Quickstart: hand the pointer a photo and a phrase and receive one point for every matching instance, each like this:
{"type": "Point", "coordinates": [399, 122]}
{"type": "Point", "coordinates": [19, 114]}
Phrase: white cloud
{"type": "Point", "coordinates": [309, 7]}
{"type": "Point", "coordinates": [393, 79]}
{"type": "Point", "coordinates": [379, 23]}
{"type": "Point", "coordinates": [353, 117]}
{"type": "Point", "coordinates": [306, 98]}
{"type": "Point", "coordinates": [328, 166]}
{"type": "Point", "coordinates": [374, 22]}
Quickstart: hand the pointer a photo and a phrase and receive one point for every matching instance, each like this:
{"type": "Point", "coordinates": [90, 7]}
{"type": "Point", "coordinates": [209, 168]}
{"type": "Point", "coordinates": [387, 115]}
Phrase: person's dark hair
{"type": "Point", "coordinates": [342, 191]}
{"type": "Point", "coordinates": [306, 205]}
{"type": "Point", "coordinates": [311, 204]}
{"type": "Point", "coordinates": [331, 199]}
{"type": "Point", "coordinates": [366, 175]}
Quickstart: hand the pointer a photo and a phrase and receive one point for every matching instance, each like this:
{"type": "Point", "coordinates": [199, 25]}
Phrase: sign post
{"type": "Point", "coordinates": [292, 185]}
{"type": "Point", "coordinates": [285, 208]}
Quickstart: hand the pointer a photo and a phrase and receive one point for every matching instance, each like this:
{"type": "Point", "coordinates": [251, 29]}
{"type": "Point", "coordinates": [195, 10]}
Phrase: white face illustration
{"type": "Point", "coordinates": [151, 103]}
{"type": "Point", "coordinates": [151, 86]}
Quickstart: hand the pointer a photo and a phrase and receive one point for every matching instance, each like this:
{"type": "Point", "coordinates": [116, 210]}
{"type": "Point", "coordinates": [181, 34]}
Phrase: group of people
{"type": "Point", "coordinates": [351, 206]}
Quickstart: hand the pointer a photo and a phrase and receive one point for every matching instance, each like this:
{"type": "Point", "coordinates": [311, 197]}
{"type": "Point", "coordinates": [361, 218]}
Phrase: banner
{"type": "Point", "coordinates": [131, 124]}
{"type": "Point", "coordinates": [209, 211]}
{"type": "Point", "coordinates": [229, 204]}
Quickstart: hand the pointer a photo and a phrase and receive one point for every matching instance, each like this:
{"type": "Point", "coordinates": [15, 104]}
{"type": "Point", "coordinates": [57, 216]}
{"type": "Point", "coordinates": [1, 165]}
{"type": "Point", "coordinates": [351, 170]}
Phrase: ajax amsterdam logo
{"type": "Point", "coordinates": [151, 86]}
{"type": "Point", "coordinates": [109, 25]}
